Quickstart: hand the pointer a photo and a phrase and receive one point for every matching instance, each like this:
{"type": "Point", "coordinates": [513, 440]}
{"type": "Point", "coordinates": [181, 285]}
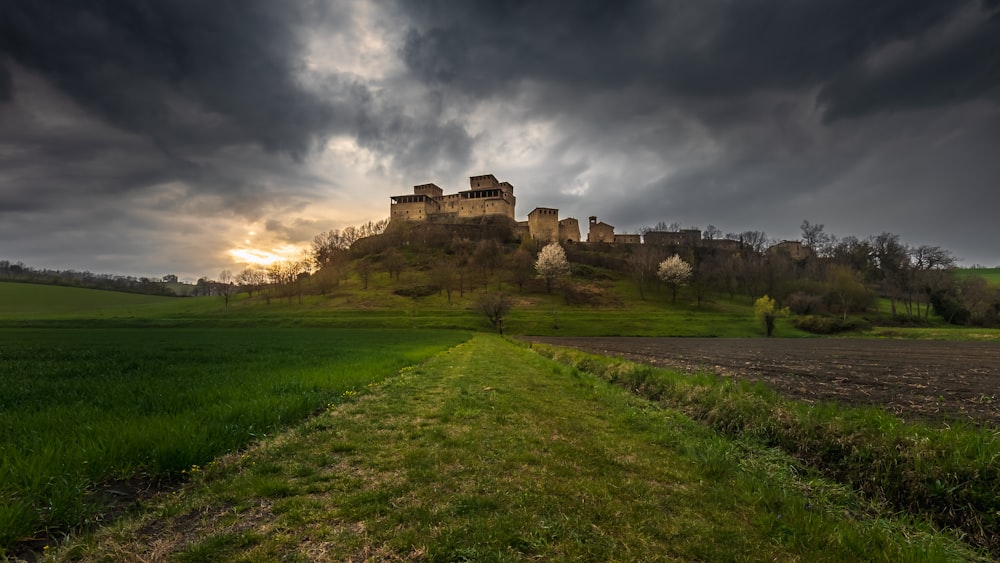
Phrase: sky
{"type": "Point", "coordinates": [184, 137]}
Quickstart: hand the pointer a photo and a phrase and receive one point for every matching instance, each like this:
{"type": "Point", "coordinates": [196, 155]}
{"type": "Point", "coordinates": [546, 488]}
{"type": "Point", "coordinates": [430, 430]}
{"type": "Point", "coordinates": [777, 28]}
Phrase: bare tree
{"type": "Point", "coordinates": [521, 265]}
{"type": "Point", "coordinates": [251, 279]}
{"type": "Point", "coordinates": [552, 264]}
{"type": "Point", "coordinates": [711, 232]}
{"type": "Point", "coordinates": [495, 306]}
{"type": "Point", "coordinates": [445, 274]}
{"type": "Point", "coordinates": [815, 238]}
{"type": "Point", "coordinates": [642, 264]}
{"type": "Point", "coordinates": [226, 286]}
{"type": "Point", "coordinates": [487, 258]}
{"type": "Point", "coordinates": [364, 268]}
{"type": "Point", "coordinates": [393, 261]}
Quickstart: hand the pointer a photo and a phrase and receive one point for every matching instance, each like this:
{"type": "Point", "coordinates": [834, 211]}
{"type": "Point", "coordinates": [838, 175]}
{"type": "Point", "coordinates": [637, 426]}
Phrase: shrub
{"type": "Point", "coordinates": [802, 303]}
{"type": "Point", "coordinates": [417, 291]}
{"type": "Point", "coordinates": [829, 325]}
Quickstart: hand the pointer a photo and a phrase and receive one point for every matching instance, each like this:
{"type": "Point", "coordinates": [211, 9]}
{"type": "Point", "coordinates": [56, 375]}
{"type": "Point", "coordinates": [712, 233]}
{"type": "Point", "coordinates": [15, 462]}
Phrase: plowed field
{"type": "Point", "coordinates": [930, 380]}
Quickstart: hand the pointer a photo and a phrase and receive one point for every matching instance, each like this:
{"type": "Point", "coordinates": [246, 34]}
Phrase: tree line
{"type": "Point", "coordinates": [834, 277]}
{"type": "Point", "coordinates": [20, 272]}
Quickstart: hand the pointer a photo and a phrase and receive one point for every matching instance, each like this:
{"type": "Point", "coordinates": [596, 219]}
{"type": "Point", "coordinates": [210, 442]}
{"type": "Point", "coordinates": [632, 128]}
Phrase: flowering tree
{"type": "Point", "coordinates": [552, 264]}
{"type": "Point", "coordinates": [767, 310]}
{"type": "Point", "coordinates": [674, 272]}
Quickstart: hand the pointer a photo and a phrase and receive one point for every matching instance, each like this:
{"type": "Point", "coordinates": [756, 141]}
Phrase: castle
{"type": "Point", "coordinates": [489, 200]}
{"type": "Point", "coordinates": [486, 198]}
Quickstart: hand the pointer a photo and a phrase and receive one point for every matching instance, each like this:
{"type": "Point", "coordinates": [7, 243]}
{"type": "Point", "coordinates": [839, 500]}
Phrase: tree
{"type": "Point", "coordinates": [847, 289]}
{"type": "Point", "coordinates": [487, 258]}
{"type": "Point", "coordinates": [226, 286]}
{"type": "Point", "coordinates": [495, 306]}
{"type": "Point", "coordinates": [520, 264]}
{"type": "Point", "coordinates": [552, 264]}
{"type": "Point", "coordinates": [767, 310]}
{"type": "Point", "coordinates": [642, 263]}
{"type": "Point", "coordinates": [815, 238]}
{"type": "Point", "coordinates": [393, 262]}
{"type": "Point", "coordinates": [674, 272]}
{"type": "Point", "coordinates": [364, 268]}
{"type": "Point", "coordinates": [444, 273]}
{"type": "Point", "coordinates": [256, 278]}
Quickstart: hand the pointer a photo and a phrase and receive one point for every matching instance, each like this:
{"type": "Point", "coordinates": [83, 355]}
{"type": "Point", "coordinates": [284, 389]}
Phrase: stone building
{"type": "Point", "coordinates": [569, 230]}
{"type": "Point", "coordinates": [486, 197]}
{"type": "Point", "coordinates": [792, 248]}
{"type": "Point", "coordinates": [600, 231]}
{"type": "Point", "coordinates": [684, 237]}
{"type": "Point", "coordinates": [543, 224]}
{"type": "Point", "coordinates": [628, 239]}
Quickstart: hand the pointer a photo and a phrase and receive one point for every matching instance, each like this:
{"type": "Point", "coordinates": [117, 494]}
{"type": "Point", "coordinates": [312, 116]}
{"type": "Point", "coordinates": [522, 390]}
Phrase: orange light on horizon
{"type": "Point", "coordinates": [258, 257]}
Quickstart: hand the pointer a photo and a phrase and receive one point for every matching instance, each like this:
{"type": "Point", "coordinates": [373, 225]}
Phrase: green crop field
{"type": "Point", "coordinates": [21, 300]}
{"type": "Point", "coordinates": [992, 275]}
{"type": "Point", "coordinates": [84, 408]}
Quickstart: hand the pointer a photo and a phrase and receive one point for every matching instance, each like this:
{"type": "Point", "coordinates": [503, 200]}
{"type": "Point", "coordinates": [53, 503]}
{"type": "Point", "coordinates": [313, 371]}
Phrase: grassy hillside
{"type": "Point", "coordinates": [613, 307]}
{"type": "Point", "coordinates": [489, 452]}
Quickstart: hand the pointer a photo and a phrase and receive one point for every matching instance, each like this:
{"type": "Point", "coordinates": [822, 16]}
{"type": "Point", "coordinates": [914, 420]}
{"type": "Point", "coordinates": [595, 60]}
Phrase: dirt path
{"type": "Point", "coordinates": [931, 380]}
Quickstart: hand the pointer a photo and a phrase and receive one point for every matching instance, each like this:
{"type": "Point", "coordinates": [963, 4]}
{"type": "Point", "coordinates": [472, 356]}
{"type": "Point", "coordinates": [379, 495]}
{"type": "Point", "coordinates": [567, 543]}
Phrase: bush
{"type": "Point", "coordinates": [829, 325]}
{"type": "Point", "coordinates": [417, 291]}
{"type": "Point", "coordinates": [802, 303]}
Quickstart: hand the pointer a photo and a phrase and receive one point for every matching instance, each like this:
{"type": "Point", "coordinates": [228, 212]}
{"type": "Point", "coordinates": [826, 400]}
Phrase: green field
{"type": "Point", "coordinates": [991, 274]}
{"type": "Point", "coordinates": [83, 408]}
{"type": "Point", "coordinates": [25, 300]}
{"type": "Point", "coordinates": [105, 391]}
{"type": "Point", "coordinates": [378, 307]}
{"type": "Point", "coordinates": [490, 452]}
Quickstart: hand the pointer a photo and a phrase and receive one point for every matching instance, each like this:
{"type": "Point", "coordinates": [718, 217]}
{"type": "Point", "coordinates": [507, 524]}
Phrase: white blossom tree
{"type": "Point", "coordinates": [674, 272]}
{"type": "Point", "coordinates": [552, 264]}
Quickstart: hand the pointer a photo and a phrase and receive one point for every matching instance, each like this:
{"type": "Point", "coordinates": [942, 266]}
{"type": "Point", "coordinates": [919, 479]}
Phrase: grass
{"type": "Point", "coordinates": [25, 300]}
{"type": "Point", "coordinates": [378, 307]}
{"type": "Point", "coordinates": [992, 275]}
{"type": "Point", "coordinates": [951, 475]}
{"type": "Point", "coordinates": [83, 409]}
{"type": "Point", "coordinates": [490, 452]}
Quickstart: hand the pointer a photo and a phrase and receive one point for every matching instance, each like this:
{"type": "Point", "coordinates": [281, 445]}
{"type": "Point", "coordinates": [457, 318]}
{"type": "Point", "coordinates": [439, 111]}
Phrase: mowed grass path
{"type": "Point", "coordinates": [490, 452]}
{"type": "Point", "coordinates": [82, 409]}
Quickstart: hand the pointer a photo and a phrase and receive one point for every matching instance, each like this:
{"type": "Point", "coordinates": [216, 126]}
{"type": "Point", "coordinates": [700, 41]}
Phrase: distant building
{"type": "Point", "coordinates": [600, 231]}
{"type": "Point", "coordinates": [792, 248]}
{"type": "Point", "coordinates": [569, 230]}
{"type": "Point", "coordinates": [684, 237]}
{"type": "Point", "coordinates": [628, 239]}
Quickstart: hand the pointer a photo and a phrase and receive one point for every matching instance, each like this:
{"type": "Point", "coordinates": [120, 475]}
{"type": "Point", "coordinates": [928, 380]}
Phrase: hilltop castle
{"type": "Point", "coordinates": [491, 202]}
{"type": "Point", "coordinates": [486, 199]}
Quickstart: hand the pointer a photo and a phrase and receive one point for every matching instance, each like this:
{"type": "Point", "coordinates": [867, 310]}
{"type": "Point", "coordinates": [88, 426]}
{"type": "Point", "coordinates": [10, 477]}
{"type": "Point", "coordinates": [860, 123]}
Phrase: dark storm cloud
{"type": "Point", "coordinates": [720, 49]}
{"type": "Point", "coordinates": [181, 73]}
{"type": "Point", "coordinates": [191, 77]}
{"type": "Point", "coordinates": [759, 109]}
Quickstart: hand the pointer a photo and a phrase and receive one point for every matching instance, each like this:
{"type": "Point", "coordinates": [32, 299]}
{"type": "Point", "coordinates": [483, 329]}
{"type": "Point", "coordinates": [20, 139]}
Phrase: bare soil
{"type": "Point", "coordinates": [928, 380]}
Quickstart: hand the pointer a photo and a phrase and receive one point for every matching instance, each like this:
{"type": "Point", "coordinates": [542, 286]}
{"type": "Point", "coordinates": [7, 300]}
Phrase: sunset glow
{"type": "Point", "coordinates": [258, 257]}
